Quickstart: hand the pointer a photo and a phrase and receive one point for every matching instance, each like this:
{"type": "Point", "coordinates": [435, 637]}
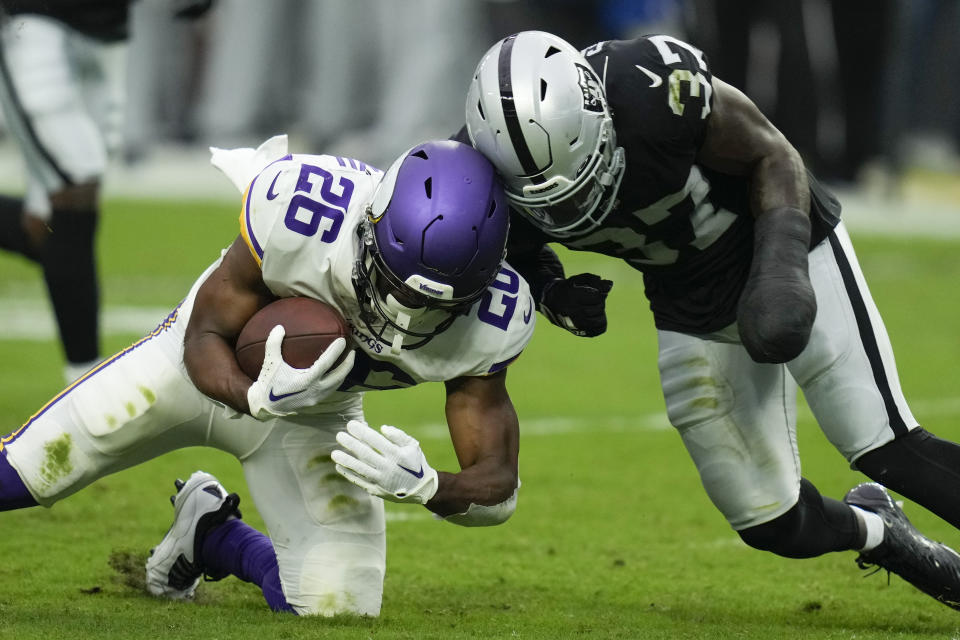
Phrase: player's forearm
{"type": "Point", "coordinates": [780, 180]}
{"type": "Point", "coordinates": [777, 308]}
{"type": "Point", "coordinates": [214, 370]}
{"type": "Point", "coordinates": [484, 483]}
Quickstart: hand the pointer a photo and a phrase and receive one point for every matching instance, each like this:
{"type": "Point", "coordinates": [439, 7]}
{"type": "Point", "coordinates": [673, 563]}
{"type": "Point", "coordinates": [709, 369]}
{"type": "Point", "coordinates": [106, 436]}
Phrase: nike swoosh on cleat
{"type": "Point", "coordinates": [274, 398]}
{"type": "Point", "coordinates": [271, 194]}
{"type": "Point", "coordinates": [415, 474]}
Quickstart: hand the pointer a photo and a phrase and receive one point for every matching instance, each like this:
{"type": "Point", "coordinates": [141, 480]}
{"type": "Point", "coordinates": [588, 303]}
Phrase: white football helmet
{"type": "Point", "coordinates": [538, 111]}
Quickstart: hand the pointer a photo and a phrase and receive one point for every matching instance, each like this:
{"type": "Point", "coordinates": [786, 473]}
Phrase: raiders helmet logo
{"type": "Point", "coordinates": [590, 86]}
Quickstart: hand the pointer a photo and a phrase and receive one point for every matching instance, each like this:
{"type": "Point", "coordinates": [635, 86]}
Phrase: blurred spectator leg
{"type": "Point", "coordinates": [797, 110]}
{"type": "Point", "coordinates": [341, 83]}
{"type": "Point", "coordinates": [247, 42]}
{"type": "Point", "coordinates": [863, 38]}
{"type": "Point", "coordinates": [429, 51]}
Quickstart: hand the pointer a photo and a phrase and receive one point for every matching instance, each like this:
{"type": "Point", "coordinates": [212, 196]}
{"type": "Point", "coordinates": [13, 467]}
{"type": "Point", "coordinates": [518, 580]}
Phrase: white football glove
{"type": "Point", "coordinates": [390, 466]}
{"type": "Point", "coordinates": [281, 390]}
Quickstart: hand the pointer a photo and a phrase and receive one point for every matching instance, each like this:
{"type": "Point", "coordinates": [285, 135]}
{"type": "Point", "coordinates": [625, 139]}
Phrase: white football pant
{"type": "Point", "coordinates": [738, 418]}
{"type": "Point", "coordinates": [328, 534]}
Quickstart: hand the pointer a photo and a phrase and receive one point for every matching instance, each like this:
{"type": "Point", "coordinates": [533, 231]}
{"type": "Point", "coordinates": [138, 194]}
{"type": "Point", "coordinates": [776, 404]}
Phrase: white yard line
{"type": "Point", "coordinates": [31, 319]}
{"type": "Point", "coordinates": [657, 421]}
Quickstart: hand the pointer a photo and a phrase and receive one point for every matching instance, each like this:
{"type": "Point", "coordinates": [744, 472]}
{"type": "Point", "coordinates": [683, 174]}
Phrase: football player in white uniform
{"type": "Point", "coordinates": [413, 260]}
{"type": "Point", "coordinates": [634, 150]}
{"type": "Point", "coordinates": [62, 90]}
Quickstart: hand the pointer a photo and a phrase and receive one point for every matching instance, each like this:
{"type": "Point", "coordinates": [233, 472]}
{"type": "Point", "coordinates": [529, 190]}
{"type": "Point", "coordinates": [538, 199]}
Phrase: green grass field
{"type": "Point", "coordinates": [613, 536]}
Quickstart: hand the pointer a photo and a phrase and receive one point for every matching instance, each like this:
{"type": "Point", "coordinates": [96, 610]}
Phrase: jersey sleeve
{"type": "Point", "coordinates": [660, 93]}
{"type": "Point", "coordinates": [293, 212]}
{"type": "Point", "coordinates": [260, 212]}
{"type": "Point", "coordinates": [504, 321]}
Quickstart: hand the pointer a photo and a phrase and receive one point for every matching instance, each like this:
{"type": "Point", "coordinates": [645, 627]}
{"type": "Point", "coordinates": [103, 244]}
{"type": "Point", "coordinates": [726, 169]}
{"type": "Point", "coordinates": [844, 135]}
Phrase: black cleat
{"type": "Point", "coordinates": [930, 566]}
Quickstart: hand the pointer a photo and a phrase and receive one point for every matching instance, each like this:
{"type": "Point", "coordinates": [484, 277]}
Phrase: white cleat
{"type": "Point", "coordinates": [201, 503]}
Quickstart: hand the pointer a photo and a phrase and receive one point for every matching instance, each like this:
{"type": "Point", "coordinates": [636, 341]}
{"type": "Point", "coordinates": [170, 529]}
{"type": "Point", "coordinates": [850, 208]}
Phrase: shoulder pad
{"type": "Point", "coordinates": [242, 165]}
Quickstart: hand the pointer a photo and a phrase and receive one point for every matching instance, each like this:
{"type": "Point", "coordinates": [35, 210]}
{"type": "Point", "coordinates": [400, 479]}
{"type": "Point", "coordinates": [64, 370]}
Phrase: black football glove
{"type": "Point", "coordinates": [577, 304]}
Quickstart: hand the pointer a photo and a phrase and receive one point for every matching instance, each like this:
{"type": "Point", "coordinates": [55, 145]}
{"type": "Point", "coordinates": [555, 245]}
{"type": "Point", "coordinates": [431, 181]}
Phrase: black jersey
{"type": "Point", "coordinates": [101, 19]}
{"type": "Point", "coordinates": [688, 229]}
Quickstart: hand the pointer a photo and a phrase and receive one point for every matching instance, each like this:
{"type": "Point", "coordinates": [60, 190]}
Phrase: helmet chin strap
{"type": "Point", "coordinates": [404, 315]}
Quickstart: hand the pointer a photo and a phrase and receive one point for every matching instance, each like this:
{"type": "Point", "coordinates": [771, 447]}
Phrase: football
{"type": "Point", "coordinates": [310, 326]}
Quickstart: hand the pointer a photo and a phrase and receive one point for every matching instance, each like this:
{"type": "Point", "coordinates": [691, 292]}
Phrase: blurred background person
{"type": "Point", "coordinates": [359, 78]}
{"type": "Point", "coordinates": [920, 88]}
{"type": "Point", "coordinates": [62, 75]}
{"type": "Point", "coordinates": [863, 32]}
{"type": "Point", "coordinates": [761, 48]}
{"type": "Point", "coordinates": [62, 96]}
{"type": "Point", "coordinates": [865, 87]}
{"type": "Point", "coordinates": [364, 77]}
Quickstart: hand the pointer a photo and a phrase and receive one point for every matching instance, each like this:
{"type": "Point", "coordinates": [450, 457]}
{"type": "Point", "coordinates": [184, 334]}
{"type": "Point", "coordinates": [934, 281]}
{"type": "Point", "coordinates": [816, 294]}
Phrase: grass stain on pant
{"type": "Point", "coordinates": [56, 462]}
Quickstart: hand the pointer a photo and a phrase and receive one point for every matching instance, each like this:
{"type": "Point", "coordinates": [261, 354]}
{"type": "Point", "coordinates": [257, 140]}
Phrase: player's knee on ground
{"type": "Point", "coordinates": [337, 564]}
{"type": "Point", "coordinates": [328, 533]}
{"type": "Point", "coordinates": [338, 578]}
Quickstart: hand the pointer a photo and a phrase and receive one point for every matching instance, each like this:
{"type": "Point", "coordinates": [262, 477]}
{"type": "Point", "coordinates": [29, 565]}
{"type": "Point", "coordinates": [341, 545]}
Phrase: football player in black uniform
{"type": "Point", "coordinates": [633, 150]}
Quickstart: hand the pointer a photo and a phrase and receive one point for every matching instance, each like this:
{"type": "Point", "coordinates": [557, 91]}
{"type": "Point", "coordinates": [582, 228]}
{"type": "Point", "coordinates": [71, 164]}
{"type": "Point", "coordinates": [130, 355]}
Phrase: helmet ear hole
{"type": "Point", "coordinates": [543, 88]}
{"type": "Point", "coordinates": [428, 187]}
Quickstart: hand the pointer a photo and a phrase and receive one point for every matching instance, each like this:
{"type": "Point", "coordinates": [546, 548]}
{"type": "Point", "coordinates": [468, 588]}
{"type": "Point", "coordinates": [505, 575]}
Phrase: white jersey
{"type": "Point", "coordinates": [300, 220]}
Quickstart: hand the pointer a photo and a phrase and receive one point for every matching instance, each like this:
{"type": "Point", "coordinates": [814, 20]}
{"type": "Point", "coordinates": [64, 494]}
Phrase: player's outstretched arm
{"type": "Point", "coordinates": [486, 437]}
{"type": "Point", "coordinates": [224, 302]}
{"type": "Point", "coordinates": [577, 303]}
{"type": "Point", "coordinates": [484, 429]}
{"type": "Point", "coordinates": [777, 307]}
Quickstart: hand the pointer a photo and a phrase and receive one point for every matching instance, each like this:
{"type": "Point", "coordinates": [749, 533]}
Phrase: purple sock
{"type": "Point", "coordinates": [236, 548]}
{"type": "Point", "coordinates": [13, 493]}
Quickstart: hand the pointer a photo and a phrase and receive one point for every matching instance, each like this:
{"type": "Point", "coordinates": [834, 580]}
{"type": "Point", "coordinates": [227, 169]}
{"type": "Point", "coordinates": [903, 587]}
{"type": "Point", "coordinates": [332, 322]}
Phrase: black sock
{"type": "Point", "coordinates": [922, 467]}
{"type": "Point", "coordinates": [12, 235]}
{"type": "Point", "coordinates": [69, 268]}
{"type": "Point", "coordinates": [814, 526]}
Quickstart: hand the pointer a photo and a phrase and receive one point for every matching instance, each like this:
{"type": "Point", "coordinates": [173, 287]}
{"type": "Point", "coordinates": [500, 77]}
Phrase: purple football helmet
{"type": "Point", "coordinates": [433, 241]}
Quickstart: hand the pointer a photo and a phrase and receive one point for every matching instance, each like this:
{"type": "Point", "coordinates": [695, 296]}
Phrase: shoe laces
{"type": "Point", "coordinates": [867, 565]}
